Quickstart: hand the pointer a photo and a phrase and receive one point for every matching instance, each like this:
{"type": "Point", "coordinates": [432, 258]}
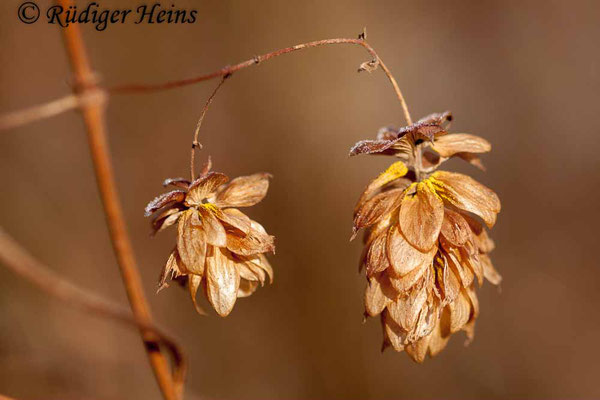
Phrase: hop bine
{"type": "Point", "coordinates": [425, 246]}
{"type": "Point", "coordinates": [218, 246]}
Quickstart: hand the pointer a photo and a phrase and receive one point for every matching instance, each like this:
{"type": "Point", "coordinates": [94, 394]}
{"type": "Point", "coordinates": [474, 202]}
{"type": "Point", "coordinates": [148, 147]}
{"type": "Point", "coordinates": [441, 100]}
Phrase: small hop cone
{"type": "Point", "coordinates": [218, 248]}
{"type": "Point", "coordinates": [425, 248]}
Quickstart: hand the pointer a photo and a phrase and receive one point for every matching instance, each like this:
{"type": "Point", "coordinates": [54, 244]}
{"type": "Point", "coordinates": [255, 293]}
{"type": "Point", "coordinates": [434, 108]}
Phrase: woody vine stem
{"type": "Point", "coordinates": [195, 143]}
{"type": "Point", "coordinates": [226, 72]}
{"type": "Point", "coordinates": [90, 99]}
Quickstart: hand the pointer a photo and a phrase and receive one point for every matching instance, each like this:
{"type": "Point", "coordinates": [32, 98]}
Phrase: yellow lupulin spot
{"type": "Point", "coordinates": [394, 171]}
{"type": "Point", "coordinates": [439, 269]}
{"type": "Point", "coordinates": [412, 188]}
{"type": "Point", "coordinates": [430, 183]}
{"type": "Point", "coordinates": [210, 207]}
{"type": "Point", "coordinates": [419, 187]}
{"type": "Point", "coordinates": [438, 188]}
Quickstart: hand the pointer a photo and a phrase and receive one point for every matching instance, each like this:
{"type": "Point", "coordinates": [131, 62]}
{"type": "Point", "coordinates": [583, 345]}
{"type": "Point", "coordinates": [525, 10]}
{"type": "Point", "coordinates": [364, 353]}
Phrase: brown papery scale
{"type": "Point", "coordinates": [426, 246]}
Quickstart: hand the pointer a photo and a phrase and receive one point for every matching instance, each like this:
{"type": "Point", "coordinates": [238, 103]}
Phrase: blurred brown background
{"type": "Point", "coordinates": [524, 75]}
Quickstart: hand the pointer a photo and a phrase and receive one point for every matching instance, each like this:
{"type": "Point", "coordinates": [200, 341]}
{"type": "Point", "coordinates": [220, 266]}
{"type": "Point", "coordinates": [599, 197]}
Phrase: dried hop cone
{"type": "Point", "coordinates": [424, 244]}
{"type": "Point", "coordinates": [218, 246]}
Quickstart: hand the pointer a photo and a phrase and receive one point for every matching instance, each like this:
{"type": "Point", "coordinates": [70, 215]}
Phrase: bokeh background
{"type": "Point", "coordinates": [523, 74]}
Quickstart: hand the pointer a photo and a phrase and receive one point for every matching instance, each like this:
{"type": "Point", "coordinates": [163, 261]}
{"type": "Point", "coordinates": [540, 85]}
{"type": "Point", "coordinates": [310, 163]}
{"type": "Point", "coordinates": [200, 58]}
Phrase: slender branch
{"type": "Point", "coordinates": [27, 115]}
{"type": "Point", "coordinates": [195, 143]}
{"type": "Point", "coordinates": [397, 90]}
{"type": "Point", "coordinates": [94, 119]}
{"type": "Point", "coordinates": [58, 106]}
{"type": "Point", "coordinates": [377, 61]}
{"type": "Point", "coordinates": [21, 262]}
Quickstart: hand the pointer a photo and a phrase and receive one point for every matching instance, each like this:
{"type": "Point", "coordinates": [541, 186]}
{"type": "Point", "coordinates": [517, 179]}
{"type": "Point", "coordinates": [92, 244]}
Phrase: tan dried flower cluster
{"type": "Point", "coordinates": [424, 246]}
{"type": "Point", "coordinates": [218, 246]}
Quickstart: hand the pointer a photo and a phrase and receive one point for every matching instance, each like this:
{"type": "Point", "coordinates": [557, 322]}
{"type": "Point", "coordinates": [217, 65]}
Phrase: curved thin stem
{"type": "Point", "coordinates": [228, 70]}
{"type": "Point", "coordinates": [397, 90]}
{"type": "Point", "coordinates": [195, 143]}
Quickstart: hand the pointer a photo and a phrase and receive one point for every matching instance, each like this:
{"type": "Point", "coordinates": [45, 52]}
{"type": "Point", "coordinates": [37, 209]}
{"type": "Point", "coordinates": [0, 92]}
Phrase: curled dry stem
{"type": "Point", "coordinates": [228, 70]}
{"type": "Point", "coordinates": [55, 107]}
{"type": "Point", "coordinates": [195, 143]}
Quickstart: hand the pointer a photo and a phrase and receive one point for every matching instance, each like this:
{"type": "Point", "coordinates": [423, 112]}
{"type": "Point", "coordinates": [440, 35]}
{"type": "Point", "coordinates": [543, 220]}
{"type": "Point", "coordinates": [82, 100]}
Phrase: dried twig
{"type": "Point", "coordinates": [93, 116]}
{"type": "Point", "coordinates": [49, 109]}
{"type": "Point", "coordinates": [367, 66]}
{"type": "Point", "coordinates": [55, 107]}
{"type": "Point", "coordinates": [195, 143]}
{"type": "Point", "coordinates": [20, 261]}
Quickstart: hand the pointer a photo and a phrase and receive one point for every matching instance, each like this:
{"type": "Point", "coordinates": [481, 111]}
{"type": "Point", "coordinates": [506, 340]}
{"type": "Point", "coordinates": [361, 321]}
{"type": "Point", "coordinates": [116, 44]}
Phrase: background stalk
{"type": "Point", "coordinates": [93, 117]}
